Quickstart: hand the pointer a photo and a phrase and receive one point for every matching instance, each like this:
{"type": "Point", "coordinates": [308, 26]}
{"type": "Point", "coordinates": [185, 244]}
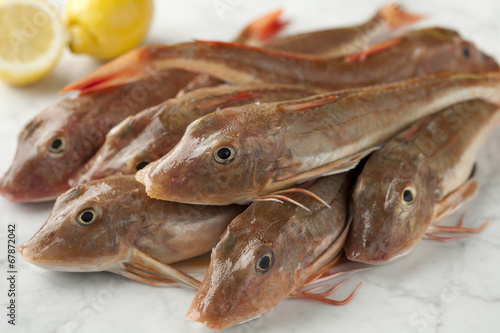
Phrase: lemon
{"type": "Point", "coordinates": [32, 36]}
{"type": "Point", "coordinates": [107, 28]}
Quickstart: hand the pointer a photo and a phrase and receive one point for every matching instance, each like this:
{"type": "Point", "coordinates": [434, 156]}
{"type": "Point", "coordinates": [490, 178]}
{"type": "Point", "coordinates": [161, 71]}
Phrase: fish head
{"type": "Point", "coordinates": [393, 204]}
{"type": "Point", "coordinates": [51, 147]}
{"type": "Point", "coordinates": [253, 267]}
{"type": "Point", "coordinates": [128, 147]}
{"type": "Point", "coordinates": [441, 49]}
{"type": "Point", "coordinates": [90, 228]}
{"type": "Point", "coordinates": [223, 157]}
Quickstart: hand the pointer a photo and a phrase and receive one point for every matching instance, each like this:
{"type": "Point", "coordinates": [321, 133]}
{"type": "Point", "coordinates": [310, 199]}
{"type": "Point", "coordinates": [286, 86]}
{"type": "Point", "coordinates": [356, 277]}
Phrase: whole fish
{"type": "Point", "coordinates": [415, 53]}
{"type": "Point", "coordinates": [149, 135]}
{"type": "Point", "coordinates": [421, 175]}
{"type": "Point", "coordinates": [252, 152]}
{"type": "Point", "coordinates": [269, 252]}
{"type": "Point", "coordinates": [112, 225]}
{"type": "Point", "coordinates": [63, 137]}
{"type": "Point", "coordinates": [340, 42]}
{"type": "Point", "coordinates": [337, 42]}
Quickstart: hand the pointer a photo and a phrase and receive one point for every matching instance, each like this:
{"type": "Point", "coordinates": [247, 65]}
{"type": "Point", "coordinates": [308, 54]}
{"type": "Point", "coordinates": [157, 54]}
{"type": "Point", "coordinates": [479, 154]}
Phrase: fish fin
{"type": "Point", "coordinates": [396, 17]}
{"type": "Point", "coordinates": [453, 200]}
{"type": "Point", "coordinates": [302, 191]}
{"type": "Point", "coordinates": [436, 229]}
{"type": "Point", "coordinates": [411, 132]}
{"type": "Point", "coordinates": [281, 199]}
{"type": "Point", "coordinates": [263, 28]}
{"type": "Point", "coordinates": [442, 238]}
{"type": "Point", "coordinates": [197, 265]}
{"type": "Point", "coordinates": [142, 276]}
{"type": "Point", "coordinates": [323, 297]}
{"type": "Point", "coordinates": [152, 266]}
{"type": "Point", "coordinates": [373, 49]}
{"type": "Point", "coordinates": [312, 102]}
{"type": "Point", "coordinates": [339, 166]}
{"type": "Point", "coordinates": [127, 68]}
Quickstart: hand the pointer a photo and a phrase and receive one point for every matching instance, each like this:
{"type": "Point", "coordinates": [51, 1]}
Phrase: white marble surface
{"type": "Point", "coordinates": [437, 288]}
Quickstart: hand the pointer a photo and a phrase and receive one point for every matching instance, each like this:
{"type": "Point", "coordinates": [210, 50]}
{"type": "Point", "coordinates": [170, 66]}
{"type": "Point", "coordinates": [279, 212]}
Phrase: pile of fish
{"type": "Point", "coordinates": [284, 157]}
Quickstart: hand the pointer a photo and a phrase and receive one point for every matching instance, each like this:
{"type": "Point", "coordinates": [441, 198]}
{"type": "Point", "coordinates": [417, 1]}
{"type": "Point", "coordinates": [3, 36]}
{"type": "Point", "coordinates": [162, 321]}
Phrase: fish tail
{"type": "Point", "coordinates": [396, 17]}
{"type": "Point", "coordinates": [263, 28]}
{"type": "Point", "coordinates": [130, 67]}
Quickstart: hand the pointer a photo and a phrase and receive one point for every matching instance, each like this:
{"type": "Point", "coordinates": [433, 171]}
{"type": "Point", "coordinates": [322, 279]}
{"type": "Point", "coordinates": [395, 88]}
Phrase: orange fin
{"type": "Point", "coordinates": [263, 28]}
{"type": "Point", "coordinates": [373, 49]}
{"type": "Point", "coordinates": [303, 191]}
{"type": "Point", "coordinates": [153, 267]}
{"type": "Point", "coordinates": [435, 229]}
{"type": "Point", "coordinates": [281, 199]}
{"type": "Point", "coordinates": [452, 201]}
{"type": "Point", "coordinates": [396, 17]}
{"type": "Point", "coordinates": [127, 68]}
{"type": "Point", "coordinates": [310, 103]}
{"type": "Point", "coordinates": [342, 165]}
{"type": "Point", "coordinates": [137, 274]}
{"type": "Point", "coordinates": [323, 297]}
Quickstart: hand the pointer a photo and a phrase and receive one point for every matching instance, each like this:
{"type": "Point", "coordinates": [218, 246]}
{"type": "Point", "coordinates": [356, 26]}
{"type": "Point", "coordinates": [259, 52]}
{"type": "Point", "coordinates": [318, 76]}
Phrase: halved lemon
{"type": "Point", "coordinates": [32, 36]}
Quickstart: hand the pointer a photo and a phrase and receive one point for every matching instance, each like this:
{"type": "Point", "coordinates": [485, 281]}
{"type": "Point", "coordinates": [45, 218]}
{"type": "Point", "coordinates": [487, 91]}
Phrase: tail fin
{"type": "Point", "coordinates": [262, 29]}
{"type": "Point", "coordinates": [396, 17]}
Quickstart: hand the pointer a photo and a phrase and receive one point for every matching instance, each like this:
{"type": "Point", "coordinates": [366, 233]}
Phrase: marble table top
{"type": "Point", "coordinates": [438, 287]}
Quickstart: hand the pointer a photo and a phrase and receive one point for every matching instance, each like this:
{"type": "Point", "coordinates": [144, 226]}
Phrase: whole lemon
{"type": "Point", "coordinates": [107, 28]}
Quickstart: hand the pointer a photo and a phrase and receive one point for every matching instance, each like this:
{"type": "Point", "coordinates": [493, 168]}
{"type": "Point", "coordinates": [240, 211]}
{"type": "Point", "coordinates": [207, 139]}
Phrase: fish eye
{"type": "Point", "coordinates": [466, 52]}
{"type": "Point", "coordinates": [86, 217]}
{"type": "Point", "coordinates": [264, 262]}
{"type": "Point", "coordinates": [57, 145]}
{"type": "Point", "coordinates": [408, 196]}
{"type": "Point", "coordinates": [224, 154]}
{"type": "Point", "coordinates": [141, 165]}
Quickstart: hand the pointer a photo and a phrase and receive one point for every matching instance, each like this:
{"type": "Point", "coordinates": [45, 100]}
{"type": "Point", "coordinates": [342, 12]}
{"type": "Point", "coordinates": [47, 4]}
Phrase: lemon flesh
{"type": "Point", "coordinates": [107, 28]}
{"type": "Point", "coordinates": [32, 37]}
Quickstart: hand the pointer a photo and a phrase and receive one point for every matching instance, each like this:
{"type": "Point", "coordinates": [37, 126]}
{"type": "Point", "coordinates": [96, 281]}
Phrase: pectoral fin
{"type": "Point", "coordinates": [144, 268]}
{"type": "Point", "coordinates": [342, 165]}
{"type": "Point", "coordinates": [455, 199]}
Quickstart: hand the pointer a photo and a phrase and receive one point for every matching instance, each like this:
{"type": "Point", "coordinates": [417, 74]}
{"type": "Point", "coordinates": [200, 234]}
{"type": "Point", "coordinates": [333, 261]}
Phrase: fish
{"type": "Point", "coordinates": [331, 43]}
{"type": "Point", "coordinates": [112, 225]}
{"type": "Point", "coordinates": [149, 135]}
{"type": "Point", "coordinates": [423, 174]}
{"type": "Point", "coordinates": [340, 42]}
{"type": "Point", "coordinates": [270, 252]}
{"type": "Point", "coordinates": [256, 152]}
{"type": "Point", "coordinates": [412, 54]}
{"type": "Point", "coordinates": [55, 143]}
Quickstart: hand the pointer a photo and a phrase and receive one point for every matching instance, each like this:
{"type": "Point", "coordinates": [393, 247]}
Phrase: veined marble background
{"type": "Point", "coordinates": [439, 287]}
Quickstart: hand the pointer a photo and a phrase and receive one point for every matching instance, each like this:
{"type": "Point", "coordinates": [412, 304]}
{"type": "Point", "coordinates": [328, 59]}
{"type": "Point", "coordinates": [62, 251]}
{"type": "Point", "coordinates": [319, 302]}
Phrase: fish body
{"type": "Point", "coordinates": [149, 135]}
{"type": "Point", "coordinates": [339, 42]}
{"type": "Point", "coordinates": [416, 178]}
{"type": "Point", "coordinates": [98, 226]}
{"type": "Point", "coordinates": [269, 252]}
{"type": "Point", "coordinates": [240, 154]}
{"type": "Point", "coordinates": [331, 43]}
{"type": "Point", "coordinates": [412, 54]}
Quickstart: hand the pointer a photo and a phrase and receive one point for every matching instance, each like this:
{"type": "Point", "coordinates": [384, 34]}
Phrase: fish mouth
{"type": "Point", "coordinates": [195, 315]}
{"type": "Point", "coordinates": [158, 182]}
{"type": "Point", "coordinates": [22, 190]}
